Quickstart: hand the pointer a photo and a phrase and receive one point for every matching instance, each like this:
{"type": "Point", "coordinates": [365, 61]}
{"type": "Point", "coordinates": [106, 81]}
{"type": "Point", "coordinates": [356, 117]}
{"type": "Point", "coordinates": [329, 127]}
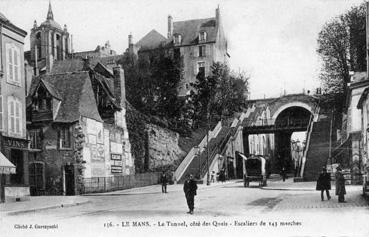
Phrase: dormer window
{"type": "Point", "coordinates": [202, 36]}
{"type": "Point", "coordinates": [177, 39]}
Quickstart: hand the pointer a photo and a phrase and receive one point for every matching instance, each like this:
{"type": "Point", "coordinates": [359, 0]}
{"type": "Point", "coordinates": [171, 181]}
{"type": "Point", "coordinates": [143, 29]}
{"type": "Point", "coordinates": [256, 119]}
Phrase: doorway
{"type": "Point", "coordinates": [16, 157]}
{"type": "Point", "coordinates": [69, 180]}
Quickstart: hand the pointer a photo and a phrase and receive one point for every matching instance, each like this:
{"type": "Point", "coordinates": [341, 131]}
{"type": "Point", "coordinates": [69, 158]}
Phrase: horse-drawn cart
{"type": "Point", "coordinates": [255, 170]}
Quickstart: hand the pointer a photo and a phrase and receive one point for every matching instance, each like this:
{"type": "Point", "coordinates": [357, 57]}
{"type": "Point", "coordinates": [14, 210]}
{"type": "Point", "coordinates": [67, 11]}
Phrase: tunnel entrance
{"type": "Point", "coordinates": [288, 152]}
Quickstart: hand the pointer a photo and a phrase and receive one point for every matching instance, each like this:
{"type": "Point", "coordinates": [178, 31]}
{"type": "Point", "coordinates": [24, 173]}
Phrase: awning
{"type": "Point", "coordinates": [6, 167]}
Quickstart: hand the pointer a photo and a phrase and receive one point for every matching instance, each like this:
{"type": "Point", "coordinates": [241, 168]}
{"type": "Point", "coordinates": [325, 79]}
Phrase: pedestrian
{"type": "Point", "coordinates": [212, 176]}
{"type": "Point", "coordinates": [164, 182]}
{"type": "Point", "coordinates": [189, 189]}
{"type": "Point", "coordinates": [340, 185]}
{"type": "Point", "coordinates": [283, 174]}
{"type": "Point", "coordinates": [324, 184]}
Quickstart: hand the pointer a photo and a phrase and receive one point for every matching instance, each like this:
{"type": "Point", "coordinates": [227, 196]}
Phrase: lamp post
{"type": "Point", "coordinates": [207, 147]}
{"type": "Point", "coordinates": [197, 148]}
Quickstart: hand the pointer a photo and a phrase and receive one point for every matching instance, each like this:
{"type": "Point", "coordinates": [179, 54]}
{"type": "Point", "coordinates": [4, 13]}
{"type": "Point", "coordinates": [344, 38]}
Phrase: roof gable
{"type": "Point", "coordinates": [151, 40]}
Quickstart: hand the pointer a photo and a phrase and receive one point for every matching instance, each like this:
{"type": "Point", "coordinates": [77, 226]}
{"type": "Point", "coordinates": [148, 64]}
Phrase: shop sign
{"type": "Point", "coordinates": [15, 143]}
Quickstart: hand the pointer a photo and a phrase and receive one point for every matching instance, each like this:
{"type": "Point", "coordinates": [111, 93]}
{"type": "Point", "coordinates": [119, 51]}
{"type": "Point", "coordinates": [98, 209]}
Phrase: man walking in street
{"type": "Point", "coordinates": [189, 189]}
{"type": "Point", "coordinates": [340, 185]}
{"type": "Point", "coordinates": [164, 182]}
{"type": "Point", "coordinates": [324, 183]}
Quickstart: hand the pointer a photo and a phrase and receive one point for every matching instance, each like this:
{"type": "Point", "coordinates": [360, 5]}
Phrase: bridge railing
{"type": "Point", "coordinates": [279, 123]}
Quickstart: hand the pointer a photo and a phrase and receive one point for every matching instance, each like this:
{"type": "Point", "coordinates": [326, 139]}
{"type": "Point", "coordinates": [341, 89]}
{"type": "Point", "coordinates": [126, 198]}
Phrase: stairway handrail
{"type": "Point", "coordinates": [192, 153]}
{"type": "Point", "coordinates": [307, 145]}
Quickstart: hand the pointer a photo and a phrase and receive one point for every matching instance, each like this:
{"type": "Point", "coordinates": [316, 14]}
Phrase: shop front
{"type": "Point", "coordinates": [16, 184]}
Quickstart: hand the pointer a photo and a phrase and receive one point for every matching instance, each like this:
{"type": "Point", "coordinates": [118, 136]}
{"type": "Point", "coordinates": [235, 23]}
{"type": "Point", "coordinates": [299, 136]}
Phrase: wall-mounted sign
{"type": "Point", "coordinates": [116, 157]}
{"type": "Point", "coordinates": [15, 143]}
{"type": "Point", "coordinates": [116, 169]}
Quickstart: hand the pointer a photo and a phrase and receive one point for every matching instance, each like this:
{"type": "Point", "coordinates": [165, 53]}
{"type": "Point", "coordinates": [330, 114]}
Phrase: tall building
{"type": "Point", "coordinates": [199, 43]}
{"type": "Point", "coordinates": [13, 137]}
{"type": "Point", "coordinates": [49, 42]}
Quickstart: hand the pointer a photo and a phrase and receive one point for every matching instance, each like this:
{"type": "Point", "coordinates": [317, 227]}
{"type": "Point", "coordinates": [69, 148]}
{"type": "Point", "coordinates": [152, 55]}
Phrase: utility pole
{"type": "Point", "coordinates": [207, 148]}
{"type": "Point", "coordinates": [330, 139]}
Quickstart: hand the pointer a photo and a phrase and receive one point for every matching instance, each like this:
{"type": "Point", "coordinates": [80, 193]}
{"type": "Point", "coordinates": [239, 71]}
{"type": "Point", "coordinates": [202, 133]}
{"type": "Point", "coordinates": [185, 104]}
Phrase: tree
{"type": "Point", "coordinates": [220, 94]}
{"type": "Point", "coordinates": [341, 46]}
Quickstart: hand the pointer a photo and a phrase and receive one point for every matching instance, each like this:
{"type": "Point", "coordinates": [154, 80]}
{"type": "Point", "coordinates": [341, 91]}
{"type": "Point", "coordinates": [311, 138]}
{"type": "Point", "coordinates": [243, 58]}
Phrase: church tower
{"type": "Point", "coordinates": [49, 42]}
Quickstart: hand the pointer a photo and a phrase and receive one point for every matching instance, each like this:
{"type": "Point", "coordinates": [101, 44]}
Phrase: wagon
{"type": "Point", "coordinates": [255, 167]}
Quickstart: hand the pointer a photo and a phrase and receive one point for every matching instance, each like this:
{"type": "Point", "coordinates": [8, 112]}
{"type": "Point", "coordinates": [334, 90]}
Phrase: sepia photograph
{"type": "Point", "coordinates": [184, 118]}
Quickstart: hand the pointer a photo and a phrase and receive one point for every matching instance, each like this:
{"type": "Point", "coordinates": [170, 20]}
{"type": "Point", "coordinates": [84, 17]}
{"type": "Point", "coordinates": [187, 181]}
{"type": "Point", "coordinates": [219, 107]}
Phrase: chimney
{"type": "Point", "coordinates": [119, 85]}
{"type": "Point", "coordinates": [367, 38]}
{"type": "Point", "coordinates": [217, 16]}
{"type": "Point", "coordinates": [130, 40]}
{"type": "Point", "coordinates": [170, 26]}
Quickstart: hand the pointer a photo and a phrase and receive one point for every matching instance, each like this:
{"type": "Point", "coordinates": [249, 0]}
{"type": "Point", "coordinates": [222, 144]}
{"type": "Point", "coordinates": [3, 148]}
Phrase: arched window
{"type": "Point", "coordinates": [38, 45]}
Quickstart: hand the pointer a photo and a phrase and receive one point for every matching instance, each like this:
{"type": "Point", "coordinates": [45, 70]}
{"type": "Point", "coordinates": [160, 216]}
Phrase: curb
{"type": "Point", "coordinates": [14, 213]}
{"type": "Point", "coordinates": [288, 189]}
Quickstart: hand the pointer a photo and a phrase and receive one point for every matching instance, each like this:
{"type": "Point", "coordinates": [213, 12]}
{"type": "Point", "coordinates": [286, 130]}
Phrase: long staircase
{"type": "Point", "coordinates": [198, 165]}
{"type": "Point", "coordinates": [317, 152]}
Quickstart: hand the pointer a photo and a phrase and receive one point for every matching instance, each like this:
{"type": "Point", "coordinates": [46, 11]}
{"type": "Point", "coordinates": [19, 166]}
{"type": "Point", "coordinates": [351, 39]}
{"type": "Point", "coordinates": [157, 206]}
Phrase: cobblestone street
{"type": "Point", "coordinates": [230, 203]}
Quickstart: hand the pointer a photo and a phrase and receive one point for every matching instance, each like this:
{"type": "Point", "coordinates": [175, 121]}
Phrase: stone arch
{"type": "Point", "coordinates": [293, 104]}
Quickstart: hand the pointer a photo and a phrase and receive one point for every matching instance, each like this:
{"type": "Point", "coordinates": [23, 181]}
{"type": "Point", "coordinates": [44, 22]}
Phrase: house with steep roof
{"type": "Point", "coordinates": [198, 42]}
{"type": "Point", "coordinates": [77, 127]}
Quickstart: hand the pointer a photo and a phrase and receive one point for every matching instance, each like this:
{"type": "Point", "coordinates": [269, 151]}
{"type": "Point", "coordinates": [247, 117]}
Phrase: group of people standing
{"type": "Point", "coordinates": [324, 184]}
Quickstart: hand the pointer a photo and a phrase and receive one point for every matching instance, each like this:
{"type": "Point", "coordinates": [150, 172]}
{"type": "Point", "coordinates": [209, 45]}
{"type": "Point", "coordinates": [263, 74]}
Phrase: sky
{"type": "Point", "coordinates": [274, 41]}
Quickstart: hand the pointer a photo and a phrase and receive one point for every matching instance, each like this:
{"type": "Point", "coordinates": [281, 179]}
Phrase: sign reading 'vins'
{"type": "Point", "coordinates": [116, 157]}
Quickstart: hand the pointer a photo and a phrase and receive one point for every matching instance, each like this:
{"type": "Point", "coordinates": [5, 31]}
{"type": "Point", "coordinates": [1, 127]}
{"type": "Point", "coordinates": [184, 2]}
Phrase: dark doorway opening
{"type": "Point", "coordinates": [69, 180]}
{"type": "Point", "coordinates": [16, 157]}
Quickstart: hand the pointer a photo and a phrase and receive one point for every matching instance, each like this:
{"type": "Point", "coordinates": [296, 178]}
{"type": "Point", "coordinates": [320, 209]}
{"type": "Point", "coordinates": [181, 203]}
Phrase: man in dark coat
{"type": "Point", "coordinates": [340, 185]}
{"type": "Point", "coordinates": [189, 189]}
{"type": "Point", "coordinates": [324, 183]}
{"type": "Point", "coordinates": [164, 182]}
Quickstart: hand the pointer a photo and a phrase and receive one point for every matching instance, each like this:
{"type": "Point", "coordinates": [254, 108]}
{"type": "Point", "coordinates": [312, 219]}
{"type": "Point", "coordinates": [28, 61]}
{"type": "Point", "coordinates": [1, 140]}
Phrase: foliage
{"type": "Point", "coordinates": [220, 94]}
{"type": "Point", "coordinates": [152, 80]}
{"type": "Point", "coordinates": [341, 46]}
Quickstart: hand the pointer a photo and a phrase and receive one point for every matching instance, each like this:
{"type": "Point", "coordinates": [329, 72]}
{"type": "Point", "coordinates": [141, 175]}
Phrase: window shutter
{"type": "Point", "coordinates": [195, 51]}
{"type": "Point", "coordinates": [195, 69]}
{"type": "Point", "coordinates": [11, 114]}
{"type": "Point", "coordinates": [18, 117]}
{"type": "Point", "coordinates": [17, 65]}
{"type": "Point", "coordinates": [1, 113]}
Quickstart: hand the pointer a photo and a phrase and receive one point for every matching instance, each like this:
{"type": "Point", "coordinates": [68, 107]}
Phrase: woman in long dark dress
{"type": "Point", "coordinates": [340, 185]}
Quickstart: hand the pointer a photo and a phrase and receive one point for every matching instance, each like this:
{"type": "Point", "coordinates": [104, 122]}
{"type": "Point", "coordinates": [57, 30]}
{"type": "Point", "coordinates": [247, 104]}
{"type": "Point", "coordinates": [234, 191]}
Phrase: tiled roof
{"type": "Point", "coordinates": [70, 65]}
{"type": "Point", "coordinates": [76, 94]}
{"type": "Point", "coordinates": [151, 40]}
{"type": "Point", "coordinates": [189, 30]}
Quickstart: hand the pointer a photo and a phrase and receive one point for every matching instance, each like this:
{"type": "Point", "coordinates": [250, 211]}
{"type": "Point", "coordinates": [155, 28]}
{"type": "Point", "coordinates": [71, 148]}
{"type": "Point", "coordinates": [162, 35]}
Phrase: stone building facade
{"type": "Point", "coordinates": [13, 136]}
{"type": "Point", "coordinates": [198, 42]}
{"type": "Point", "coordinates": [77, 127]}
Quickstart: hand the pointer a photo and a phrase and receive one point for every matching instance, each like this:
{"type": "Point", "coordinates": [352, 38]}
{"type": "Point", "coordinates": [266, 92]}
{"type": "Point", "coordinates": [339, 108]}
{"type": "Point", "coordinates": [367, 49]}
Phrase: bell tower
{"type": "Point", "coordinates": [49, 42]}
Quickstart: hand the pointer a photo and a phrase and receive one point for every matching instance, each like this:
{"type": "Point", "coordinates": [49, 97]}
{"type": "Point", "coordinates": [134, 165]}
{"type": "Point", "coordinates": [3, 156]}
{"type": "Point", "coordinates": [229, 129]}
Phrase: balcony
{"type": "Point", "coordinates": [40, 116]}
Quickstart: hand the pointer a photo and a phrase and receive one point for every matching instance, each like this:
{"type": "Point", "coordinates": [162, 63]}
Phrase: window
{"type": "Point", "coordinates": [202, 36]}
{"type": "Point", "coordinates": [36, 175]}
{"type": "Point", "coordinates": [13, 64]}
{"type": "Point", "coordinates": [14, 116]}
{"type": "Point", "coordinates": [177, 39]}
{"type": "Point", "coordinates": [1, 113]}
{"type": "Point", "coordinates": [202, 52]}
{"type": "Point", "coordinates": [64, 138]}
{"type": "Point", "coordinates": [35, 137]}
{"type": "Point", "coordinates": [201, 68]}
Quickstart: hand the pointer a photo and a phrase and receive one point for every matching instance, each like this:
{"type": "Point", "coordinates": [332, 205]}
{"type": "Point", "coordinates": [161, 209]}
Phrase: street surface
{"type": "Point", "coordinates": [227, 208]}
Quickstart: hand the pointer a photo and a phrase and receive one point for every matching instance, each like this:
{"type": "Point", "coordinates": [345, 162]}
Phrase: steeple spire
{"type": "Point", "coordinates": [50, 15]}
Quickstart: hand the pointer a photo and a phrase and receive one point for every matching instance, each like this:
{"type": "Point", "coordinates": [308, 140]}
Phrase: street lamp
{"type": "Point", "coordinates": [207, 148]}
{"type": "Point", "coordinates": [197, 148]}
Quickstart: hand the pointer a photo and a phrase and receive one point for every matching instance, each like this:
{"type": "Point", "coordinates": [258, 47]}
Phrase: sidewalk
{"type": "Point", "coordinates": [289, 185]}
{"type": "Point", "coordinates": [41, 203]}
